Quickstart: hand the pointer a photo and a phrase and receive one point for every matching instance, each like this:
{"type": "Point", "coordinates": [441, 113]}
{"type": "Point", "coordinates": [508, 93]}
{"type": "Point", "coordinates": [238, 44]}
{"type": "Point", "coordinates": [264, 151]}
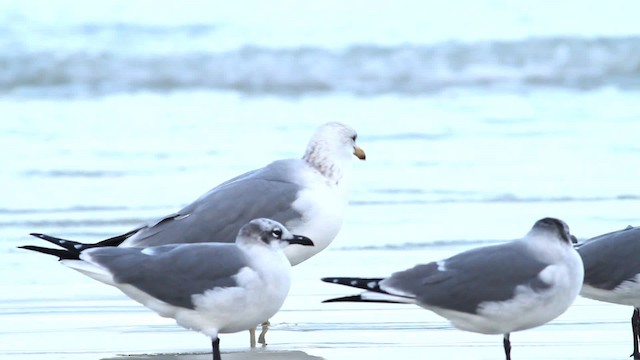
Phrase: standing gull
{"type": "Point", "coordinates": [490, 290]}
{"type": "Point", "coordinates": [213, 288]}
{"type": "Point", "coordinates": [309, 196]}
{"type": "Point", "coordinates": [612, 272]}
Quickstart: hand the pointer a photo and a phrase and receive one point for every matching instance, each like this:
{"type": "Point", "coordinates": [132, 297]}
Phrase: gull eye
{"type": "Point", "coordinates": [277, 233]}
{"type": "Point", "coordinates": [354, 137]}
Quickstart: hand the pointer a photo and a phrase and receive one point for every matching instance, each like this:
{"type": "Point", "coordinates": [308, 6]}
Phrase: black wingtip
{"type": "Point", "coordinates": [61, 254]}
{"type": "Point", "coordinates": [359, 298]}
{"type": "Point", "coordinates": [117, 240]}
{"type": "Point", "coordinates": [353, 298]}
{"type": "Point", "coordinates": [371, 284]}
{"type": "Point", "coordinates": [74, 245]}
{"type": "Point", "coordinates": [72, 248]}
{"type": "Point", "coordinates": [52, 239]}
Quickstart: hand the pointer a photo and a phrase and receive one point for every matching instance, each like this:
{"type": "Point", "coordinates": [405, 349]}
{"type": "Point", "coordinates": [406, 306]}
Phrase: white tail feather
{"type": "Point", "coordinates": [91, 270]}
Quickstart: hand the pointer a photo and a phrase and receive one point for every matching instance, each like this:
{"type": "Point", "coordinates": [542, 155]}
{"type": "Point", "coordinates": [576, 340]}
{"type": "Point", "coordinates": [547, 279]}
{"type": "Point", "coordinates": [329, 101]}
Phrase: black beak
{"type": "Point", "coordinates": [300, 240]}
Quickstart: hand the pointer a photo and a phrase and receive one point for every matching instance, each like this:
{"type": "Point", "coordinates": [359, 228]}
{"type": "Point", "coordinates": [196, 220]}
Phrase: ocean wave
{"type": "Point", "coordinates": [62, 210]}
{"type": "Point", "coordinates": [421, 197]}
{"type": "Point", "coordinates": [579, 63]}
{"type": "Point", "coordinates": [69, 223]}
{"type": "Point", "coordinates": [422, 245]}
{"type": "Point", "coordinates": [75, 173]}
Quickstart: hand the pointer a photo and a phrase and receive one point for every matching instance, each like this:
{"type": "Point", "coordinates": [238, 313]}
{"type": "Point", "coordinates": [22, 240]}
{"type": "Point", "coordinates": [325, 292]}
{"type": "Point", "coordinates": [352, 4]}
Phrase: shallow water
{"type": "Point", "coordinates": [113, 115]}
{"type": "Point", "coordinates": [443, 174]}
{"type": "Point", "coordinates": [89, 320]}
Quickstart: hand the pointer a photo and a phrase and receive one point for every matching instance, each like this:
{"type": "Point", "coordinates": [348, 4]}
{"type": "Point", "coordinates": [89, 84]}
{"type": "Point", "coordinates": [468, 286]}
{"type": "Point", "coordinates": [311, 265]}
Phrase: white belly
{"type": "Point", "coordinates": [323, 209]}
{"type": "Point", "coordinates": [627, 293]}
{"type": "Point", "coordinates": [528, 308]}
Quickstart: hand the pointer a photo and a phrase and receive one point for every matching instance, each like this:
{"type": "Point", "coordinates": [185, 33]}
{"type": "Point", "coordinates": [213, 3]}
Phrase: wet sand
{"type": "Point", "coordinates": [77, 318]}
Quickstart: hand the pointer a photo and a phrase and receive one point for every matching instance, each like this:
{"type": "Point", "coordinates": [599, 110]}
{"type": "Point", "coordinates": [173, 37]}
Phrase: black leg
{"type": "Point", "coordinates": [215, 344]}
{"type": "Point", "coordinates": [507, 346]}
{"type": "Point", "coordinates": [635, 327]}
{"type": "Point", "coordinates": [263, 333]}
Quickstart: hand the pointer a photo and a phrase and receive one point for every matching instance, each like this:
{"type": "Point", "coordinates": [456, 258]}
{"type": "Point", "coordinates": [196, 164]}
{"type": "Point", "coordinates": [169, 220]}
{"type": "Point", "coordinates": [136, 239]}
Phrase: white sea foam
{"type": "Point", "coordinates": [572, 62]}
{"type": "Point", "coordinates": [71, 47]}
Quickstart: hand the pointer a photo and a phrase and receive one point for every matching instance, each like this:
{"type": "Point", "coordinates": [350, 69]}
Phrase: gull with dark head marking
{"type": "Point", "coordinates": [213, 288]}
{"type": "Point", "coordinates": [308, 195]}
{"type": "Point", "coordinates": [612, 272]}
{"type": "Point", "coordinates": [490, 290]}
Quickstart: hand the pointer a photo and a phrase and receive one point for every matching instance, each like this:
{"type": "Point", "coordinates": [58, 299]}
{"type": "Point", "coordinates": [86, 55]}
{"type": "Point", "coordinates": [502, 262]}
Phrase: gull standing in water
{"type": "Point", "coordinates": [490, 290]}
{"type": "Point", "coordinates": [211, 287]}
{"type": "Point", "coordinates": [612, 272]}
{"type": "Point", "coordinates": [309, 196]}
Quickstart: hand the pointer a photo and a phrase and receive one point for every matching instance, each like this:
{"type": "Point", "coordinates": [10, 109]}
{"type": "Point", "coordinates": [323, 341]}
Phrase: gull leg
{"type": "Point", "coordinates": [265, 328]}
{"type": "Point", "coordinates": [252, 337]}
{"type": "Point", "coordinates": [215, 345]}
{"type": "Point", "coordinates": [635, 327]}
{"type": "Point", "coordinates": [507, 346]}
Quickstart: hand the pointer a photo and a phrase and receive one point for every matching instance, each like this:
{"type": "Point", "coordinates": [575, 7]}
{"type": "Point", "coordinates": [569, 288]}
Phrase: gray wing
{"type": "Point", "coordinates": [172, 273]}
{"type": "Point", "coordinates": [218, 215]}
{"type": "Point", "coordinates": [470, 278]}
{"type": "Point", "coordinates": [611, 258]}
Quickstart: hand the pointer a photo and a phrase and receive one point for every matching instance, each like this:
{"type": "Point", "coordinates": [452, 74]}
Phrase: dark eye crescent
{"type": "Point", "coordinates": [277, 233]}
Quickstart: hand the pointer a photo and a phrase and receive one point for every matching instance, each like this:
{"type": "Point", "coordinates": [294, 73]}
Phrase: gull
{"type": "Point", "coordinates": [490, 290]}
{"type": "Point", "coordinates": [612, 272]}
{"type": "Point", "coordinates": [309, 196]}
{"type": "Point", "coordinates": [213, 288]}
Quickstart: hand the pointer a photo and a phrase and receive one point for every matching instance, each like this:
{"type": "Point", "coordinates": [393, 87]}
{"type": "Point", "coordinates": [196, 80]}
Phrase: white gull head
{"type": "Point", "coordinates": [330, 149]}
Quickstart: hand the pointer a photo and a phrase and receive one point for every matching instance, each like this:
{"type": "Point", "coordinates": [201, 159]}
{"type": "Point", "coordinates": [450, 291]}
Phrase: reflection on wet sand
{"type": "Point", "coordinates": [247, 355]}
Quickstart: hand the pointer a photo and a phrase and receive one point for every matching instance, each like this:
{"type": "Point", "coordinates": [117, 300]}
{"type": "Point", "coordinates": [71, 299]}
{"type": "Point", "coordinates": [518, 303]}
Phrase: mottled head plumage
{"type": "Point", "coordinates": [331, 148]}
{"type": "Point", "coordinates": [264, 230]}
{"type": "Point", "coordinates": [268, 232]}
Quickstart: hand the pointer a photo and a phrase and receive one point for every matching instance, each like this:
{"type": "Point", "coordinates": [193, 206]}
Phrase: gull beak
{"type": "Point", "coordinates": [359, 153]}
{"type": "Point", "coordinates": [300, 240]}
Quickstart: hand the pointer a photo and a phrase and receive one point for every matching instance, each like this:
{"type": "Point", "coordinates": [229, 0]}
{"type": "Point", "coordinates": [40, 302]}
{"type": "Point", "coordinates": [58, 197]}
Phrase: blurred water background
{"type": "Point", "coordinates": [478, 118]}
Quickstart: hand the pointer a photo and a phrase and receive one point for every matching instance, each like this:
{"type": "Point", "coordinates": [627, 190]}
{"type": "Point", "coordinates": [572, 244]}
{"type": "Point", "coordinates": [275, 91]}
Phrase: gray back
{"type": "Point", "coordinates": [470, 278]}
{"type": "Point", "coordinates": [611, 258]}
{"type": "Point", "coordinates": [175, 272]}
{"type": "Point", "coordinates": [218, 215]}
